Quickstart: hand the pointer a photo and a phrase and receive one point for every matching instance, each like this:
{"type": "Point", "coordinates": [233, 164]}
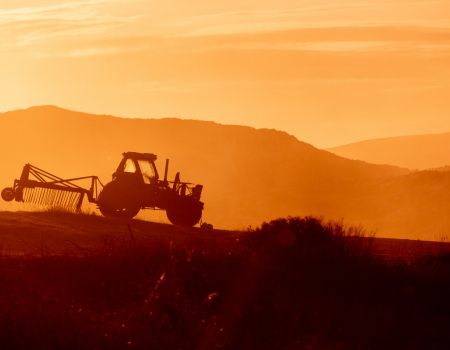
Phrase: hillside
{"type": "Point", "coordinates": [249, 175]}
{"type": "Point", "coordinates": [413, 152]}
{"type": "Point", "coordinates": [59, 233]}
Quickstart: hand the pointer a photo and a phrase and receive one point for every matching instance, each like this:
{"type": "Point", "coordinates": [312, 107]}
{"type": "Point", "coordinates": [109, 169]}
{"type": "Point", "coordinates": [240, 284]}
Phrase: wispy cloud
{"type": "Point", "coordinates": [370, 39]}
{"type": "Point", "coordinates": [32, 25]}
{"type": "Point", "coordinates": [75, 10]}
{"type": "Point", "coordinates": [85, 28]}
{"type": "Point", "coordinates": [313, 14]}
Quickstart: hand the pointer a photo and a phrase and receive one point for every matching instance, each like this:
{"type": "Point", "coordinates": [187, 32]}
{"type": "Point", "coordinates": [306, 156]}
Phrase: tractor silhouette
{"type": "Point", "coordinates": [135, 185]}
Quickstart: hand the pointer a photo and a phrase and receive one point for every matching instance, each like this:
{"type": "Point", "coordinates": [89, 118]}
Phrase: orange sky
{"type": "Point", "coordinates": [328, 72]}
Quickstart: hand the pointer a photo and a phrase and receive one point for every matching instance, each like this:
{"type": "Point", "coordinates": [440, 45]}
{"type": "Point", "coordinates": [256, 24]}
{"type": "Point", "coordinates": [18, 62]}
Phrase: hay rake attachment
{"type": "Point", "coordinates": [40, 187]}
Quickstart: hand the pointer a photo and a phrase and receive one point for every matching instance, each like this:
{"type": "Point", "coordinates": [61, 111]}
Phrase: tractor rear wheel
{"type": "Point", "coordinates": [119, 201]}
{"type": "Point", "coordinates": [184, 214]}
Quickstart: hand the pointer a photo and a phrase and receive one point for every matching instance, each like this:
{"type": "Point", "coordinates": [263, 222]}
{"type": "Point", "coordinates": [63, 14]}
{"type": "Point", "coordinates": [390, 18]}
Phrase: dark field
{"type": "Point", "coordinates": [84, 282]}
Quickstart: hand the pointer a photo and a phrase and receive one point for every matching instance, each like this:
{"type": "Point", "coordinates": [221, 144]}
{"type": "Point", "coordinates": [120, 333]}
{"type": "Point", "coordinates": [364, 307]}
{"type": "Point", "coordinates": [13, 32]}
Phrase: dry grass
{"type": "Point", "coordinates": [295, 283]}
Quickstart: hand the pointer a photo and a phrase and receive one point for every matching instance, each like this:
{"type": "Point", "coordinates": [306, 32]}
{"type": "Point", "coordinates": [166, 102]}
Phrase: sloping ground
{"type": "Point", "coordinates": [61, 233]}
{"type": "Point", "coordinates": [292, 284]}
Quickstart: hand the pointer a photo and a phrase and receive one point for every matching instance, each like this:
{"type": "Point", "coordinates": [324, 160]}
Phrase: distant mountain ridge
{"type": "Point", "coordinates": [414, 152]}
{"type": "Point", "coordinates": [249, 175]}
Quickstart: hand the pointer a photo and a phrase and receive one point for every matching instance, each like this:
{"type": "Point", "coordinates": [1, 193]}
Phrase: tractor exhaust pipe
{"type": "Point", "coordinates": [166, 170]}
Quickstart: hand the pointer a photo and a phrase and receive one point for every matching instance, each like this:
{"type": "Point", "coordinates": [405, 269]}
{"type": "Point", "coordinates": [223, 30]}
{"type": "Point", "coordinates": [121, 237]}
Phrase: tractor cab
{"type": "Point", "coordinates": [137, 167]}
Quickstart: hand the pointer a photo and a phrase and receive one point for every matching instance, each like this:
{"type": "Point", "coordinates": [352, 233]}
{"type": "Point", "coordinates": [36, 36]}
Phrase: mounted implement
{"type": "Point", "coordinates": [135, 185]}
{"type": "Point", "coordinates": [41, 187]}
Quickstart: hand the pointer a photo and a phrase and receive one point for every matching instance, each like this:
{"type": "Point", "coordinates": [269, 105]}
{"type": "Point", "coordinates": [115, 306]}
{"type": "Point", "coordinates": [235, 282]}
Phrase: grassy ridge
{"type": "Point", "coordinates": [294, 283]}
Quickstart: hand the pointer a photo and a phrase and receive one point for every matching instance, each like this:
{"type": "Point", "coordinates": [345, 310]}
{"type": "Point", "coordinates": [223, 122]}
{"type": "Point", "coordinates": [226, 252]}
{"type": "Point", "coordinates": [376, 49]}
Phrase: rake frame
{"type": "Point", "coordinates": [54, 190]}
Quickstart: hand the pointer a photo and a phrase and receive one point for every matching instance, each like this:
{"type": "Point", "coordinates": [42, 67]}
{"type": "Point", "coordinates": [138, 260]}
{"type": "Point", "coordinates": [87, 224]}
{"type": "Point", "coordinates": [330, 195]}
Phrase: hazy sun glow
{"type": "Point", "coordinates": [328, 72]}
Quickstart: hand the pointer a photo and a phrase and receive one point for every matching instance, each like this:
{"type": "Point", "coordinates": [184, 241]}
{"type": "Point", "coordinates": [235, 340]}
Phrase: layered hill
{"type": "Point", "coordinates": [413, 152]}
{"type": "Point", "coordinates": [249, 175]}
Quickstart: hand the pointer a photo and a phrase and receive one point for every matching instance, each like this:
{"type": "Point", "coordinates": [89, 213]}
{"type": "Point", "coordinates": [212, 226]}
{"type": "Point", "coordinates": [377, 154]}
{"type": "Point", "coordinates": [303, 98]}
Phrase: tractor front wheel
{"type": "Point", "coordinates": [184, 214]}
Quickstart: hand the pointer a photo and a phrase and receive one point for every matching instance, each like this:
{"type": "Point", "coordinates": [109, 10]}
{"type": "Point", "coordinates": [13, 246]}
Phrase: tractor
{"type": "Point", "coordinates": [135, 185]}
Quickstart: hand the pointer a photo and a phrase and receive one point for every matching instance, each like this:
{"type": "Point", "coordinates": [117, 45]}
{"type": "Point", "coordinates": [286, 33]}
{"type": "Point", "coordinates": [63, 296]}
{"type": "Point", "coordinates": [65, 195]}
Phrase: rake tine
{"type": "Point", "coordinates": [55, 199]}
{"type": "Point", "coordinates": [66, 199]}
{"type": "Point", "coordinates": [58, 201]}
{"type": "Point", "coordinates": [32, 193]}
{"type": "Point", "coordinates": [61, 201]}
{"type": "Point", "coordinates": [47, 192]}
{"type": "Point", "coordinates": [35, 195]}
{"type": "Point", "coordinates": [55, 193]}
{"type": "Point", "coordinates": [74, 200]}
{"type": "Point", "coordinates": [72, 196]}
{"type": "Point", "coordinates": [69, 200]}
{"type": "Point", "coordinates": [38, 194]}
{"type": "Point", "coordinates": [41, 195]}
{"type": "Point", "coordinates": [66, 195]}
{"type": "Point", "coordinates": [50, 197]}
